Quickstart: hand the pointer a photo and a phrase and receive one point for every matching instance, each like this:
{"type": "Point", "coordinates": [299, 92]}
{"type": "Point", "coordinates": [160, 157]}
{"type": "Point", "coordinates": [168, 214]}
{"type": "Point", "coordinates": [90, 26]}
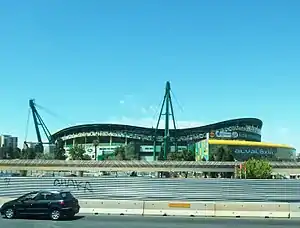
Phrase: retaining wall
{"type": "Point", "coordinates": [154, 189]}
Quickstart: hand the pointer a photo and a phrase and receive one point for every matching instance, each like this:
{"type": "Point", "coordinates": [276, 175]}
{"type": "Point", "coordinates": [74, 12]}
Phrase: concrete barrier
{"type": "Point", "coordinates": [167, 208]}
{"type": "Point", "coordinates": [180, 208]}
{"type": "Point", "coordinates": [249, 209]}
{"type": "Point", "coordinates": [295, 210]}
{"type": "Point", "coordinates": [120, 207]}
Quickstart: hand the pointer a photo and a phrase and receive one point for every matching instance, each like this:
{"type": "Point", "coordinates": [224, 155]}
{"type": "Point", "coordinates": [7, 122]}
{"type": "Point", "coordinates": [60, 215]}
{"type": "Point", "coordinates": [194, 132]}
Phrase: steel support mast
{"type": "Point", "coordinates": [38, 121]}
{"type": "Point", "coordinates": [166, 105]}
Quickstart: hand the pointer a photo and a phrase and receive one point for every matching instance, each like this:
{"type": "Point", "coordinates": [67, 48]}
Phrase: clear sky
{"type": "Point", "coordinates": [108, 61]}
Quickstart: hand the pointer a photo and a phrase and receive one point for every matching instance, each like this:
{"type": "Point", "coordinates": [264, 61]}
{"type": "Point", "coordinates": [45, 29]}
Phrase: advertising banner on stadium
{"type": "Point", "coordinates": [202, 149]}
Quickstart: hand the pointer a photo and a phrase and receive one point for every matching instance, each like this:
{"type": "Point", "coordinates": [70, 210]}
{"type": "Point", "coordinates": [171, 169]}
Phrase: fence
{"type": "Point", "coordinates": [136, 188]}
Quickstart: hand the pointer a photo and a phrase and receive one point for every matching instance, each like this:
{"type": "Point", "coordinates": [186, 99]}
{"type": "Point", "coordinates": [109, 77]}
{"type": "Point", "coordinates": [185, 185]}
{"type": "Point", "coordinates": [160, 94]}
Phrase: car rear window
{"type": "Point", "coordinates": [66, 195]}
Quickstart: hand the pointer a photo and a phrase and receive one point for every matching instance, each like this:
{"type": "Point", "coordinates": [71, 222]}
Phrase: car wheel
{"type": "Point", "coordinates": [9, 213]}
{"type": "Point", "coordinates": [55, 215]}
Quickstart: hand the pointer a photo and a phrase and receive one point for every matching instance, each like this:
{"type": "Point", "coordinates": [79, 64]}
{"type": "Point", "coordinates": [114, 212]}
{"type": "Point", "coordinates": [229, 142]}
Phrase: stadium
{"type": "Point", "coordinates": [241, 136]}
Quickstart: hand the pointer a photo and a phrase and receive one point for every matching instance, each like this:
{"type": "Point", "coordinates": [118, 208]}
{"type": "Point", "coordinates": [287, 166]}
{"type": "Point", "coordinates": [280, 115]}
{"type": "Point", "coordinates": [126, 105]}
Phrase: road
{"type": "Point", "coordinates": [150, 222]}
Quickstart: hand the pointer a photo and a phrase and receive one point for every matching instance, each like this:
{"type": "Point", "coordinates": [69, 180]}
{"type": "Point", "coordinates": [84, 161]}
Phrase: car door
{"type": "Point", "coordinates": [21, 207]}
{"type": "Point", "coordinates": [40, 204]}
{"type": "Point", "coordinates": [27, 206]}
{"type": "Point", "coordinates": [23, 204]}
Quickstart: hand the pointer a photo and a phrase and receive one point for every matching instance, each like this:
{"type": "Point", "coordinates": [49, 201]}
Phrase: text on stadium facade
{"type": "Point", "coordinates": [192, 136]}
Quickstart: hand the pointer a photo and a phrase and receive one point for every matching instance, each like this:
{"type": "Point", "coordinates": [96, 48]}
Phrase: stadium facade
{"type": "Point", "coordinates": [241, 136]}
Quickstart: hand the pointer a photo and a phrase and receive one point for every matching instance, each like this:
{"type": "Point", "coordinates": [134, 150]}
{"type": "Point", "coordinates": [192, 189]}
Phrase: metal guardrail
{"type": "Point", "coordinates": [136, 164]}
{"type": "Point", "coordinates": [110, 163]}
{"type": "Point", "coordinates": [138, 188]}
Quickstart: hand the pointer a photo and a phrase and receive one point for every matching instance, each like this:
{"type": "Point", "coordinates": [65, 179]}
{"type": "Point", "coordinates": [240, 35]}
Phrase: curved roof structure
{"type": "Point", "coordinates": [150, 131]}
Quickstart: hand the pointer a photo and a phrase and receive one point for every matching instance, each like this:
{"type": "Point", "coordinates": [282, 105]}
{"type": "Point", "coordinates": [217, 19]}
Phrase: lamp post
{"type": "Point", "coordinates": [96, 143]}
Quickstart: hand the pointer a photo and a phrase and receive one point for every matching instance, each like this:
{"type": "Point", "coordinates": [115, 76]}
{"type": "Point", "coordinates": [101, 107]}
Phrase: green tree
{"type": "Point", "coordinates": [120, 153]}
{"type": "Point", "coordinates": [188, 155]}
{"type": "Point", "coordinates": [77, 152]}
{"type": "Point", "coordinates": [45, 156]}
{"type": "Point", "coordinates": [184, 155]}
{"type": "Point", "coordinates": [28, 153]}
{"type": "Point", "coordinates": [16, 153]}
{"type": "Point", "coordinates": [223, 153]}
{"type": "Point", "coordinates": [125, 152]}
{"type": "Point", "coordinates": [2, 156]}
{"type": "Point", "coordinates": [9, 153]}
{"type": "Point", "coordinates": [59, 151]}
{"type": "Point", "coordinates": [132, 151]}
{"type": "Point", "coordinates": [160, 156]}
{"type": "Point", "coordinates": [4, 152]}
{"type": "Point", "coordinates": [175, 156]}
{"type": "Point", "coordinates": [257, 169]}
{"type": "Point", "coordinates": [59, 154]}
{"type": "Point", "coordinates": [39, 148]}
{"type": "Point", "coordinates": [298, 158]}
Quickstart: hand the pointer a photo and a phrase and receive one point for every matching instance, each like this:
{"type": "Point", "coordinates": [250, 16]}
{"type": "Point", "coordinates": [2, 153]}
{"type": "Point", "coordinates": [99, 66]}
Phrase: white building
{"type": "Point", "coordinates": [49, 148]}
{"type": "Point", "coordinates": [30, 144]}
{"type": "Point", "coordinates": [8, 141]}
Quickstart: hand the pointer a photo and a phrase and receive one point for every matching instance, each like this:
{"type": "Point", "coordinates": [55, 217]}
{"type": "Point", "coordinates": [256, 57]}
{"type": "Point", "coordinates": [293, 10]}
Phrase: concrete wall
{"type": "Point", "coordinates": [187, 208]}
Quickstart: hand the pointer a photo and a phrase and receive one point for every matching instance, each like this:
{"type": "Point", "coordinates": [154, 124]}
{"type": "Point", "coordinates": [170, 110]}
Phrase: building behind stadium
{"type": "Point", "coordinates": [241, 136]}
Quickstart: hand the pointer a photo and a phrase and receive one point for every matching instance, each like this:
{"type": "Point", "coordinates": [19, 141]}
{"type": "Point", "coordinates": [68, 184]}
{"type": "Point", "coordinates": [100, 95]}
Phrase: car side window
{"type": "Point", "coordinates": [51, 197]}
{"type": "Point", "coordinates": [28, 196]}
{"type": "Point", "coordinates": [45, 196]}
{"type": "Point", "coordinates": [66, 195]}
{"type": "Point", "coordinates": [40, 196]}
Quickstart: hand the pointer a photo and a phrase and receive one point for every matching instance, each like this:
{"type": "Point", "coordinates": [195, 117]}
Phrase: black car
{"type": "Point", "coordinates": [55, 204]}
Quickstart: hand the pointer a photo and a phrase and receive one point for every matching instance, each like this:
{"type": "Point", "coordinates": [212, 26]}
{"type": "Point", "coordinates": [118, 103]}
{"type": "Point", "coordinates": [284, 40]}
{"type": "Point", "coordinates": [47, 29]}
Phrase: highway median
{"type": "Point", "coordinates": [187, 208]}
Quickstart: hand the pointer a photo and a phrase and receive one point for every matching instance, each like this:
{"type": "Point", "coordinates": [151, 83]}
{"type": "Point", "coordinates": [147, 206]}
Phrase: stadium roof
{"type": "Point", "coordinates": [149, 131]}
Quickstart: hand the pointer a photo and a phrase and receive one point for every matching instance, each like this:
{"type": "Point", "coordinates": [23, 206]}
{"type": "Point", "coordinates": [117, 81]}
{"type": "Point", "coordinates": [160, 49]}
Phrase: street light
{"type": "Point", "coordinates": [96, 143]}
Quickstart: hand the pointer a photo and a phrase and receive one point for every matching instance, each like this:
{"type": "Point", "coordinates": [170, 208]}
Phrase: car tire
{"type": "Point", "coordinates": [55, 214]}
{"type": "Point", "coordinates": [9, 213]}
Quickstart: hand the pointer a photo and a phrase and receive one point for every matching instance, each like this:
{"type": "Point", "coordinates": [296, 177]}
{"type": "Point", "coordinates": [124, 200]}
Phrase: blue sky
{"type": "Point", "coordinates": [108, 61]}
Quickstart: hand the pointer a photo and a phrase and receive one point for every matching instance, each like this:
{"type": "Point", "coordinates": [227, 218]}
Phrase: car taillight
{"type": "Point", "coordinates": [62, 203]}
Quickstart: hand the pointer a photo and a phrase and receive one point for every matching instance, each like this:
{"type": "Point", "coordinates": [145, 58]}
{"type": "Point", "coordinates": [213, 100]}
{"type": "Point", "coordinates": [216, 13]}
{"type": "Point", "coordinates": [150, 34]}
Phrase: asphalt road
{"type": "Point", "coordinates": [150, 222]}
